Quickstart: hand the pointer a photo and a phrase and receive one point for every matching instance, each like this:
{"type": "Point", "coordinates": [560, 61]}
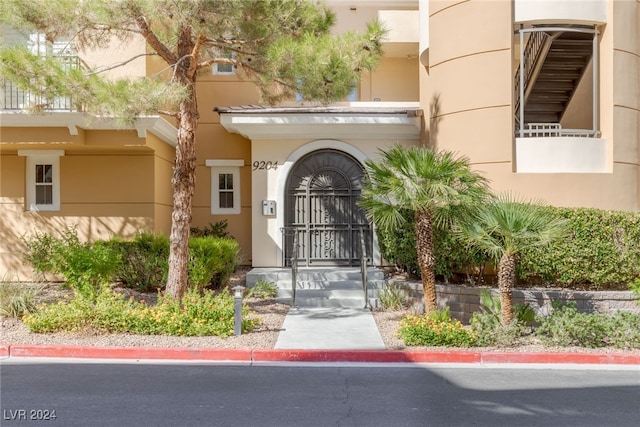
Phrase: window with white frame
{"type": "Point", "coordinates": [225, 186]}
{"type": "Point", "coordinates": [223, 68]}
{"type": "Point", "coordinates": [42, 179]}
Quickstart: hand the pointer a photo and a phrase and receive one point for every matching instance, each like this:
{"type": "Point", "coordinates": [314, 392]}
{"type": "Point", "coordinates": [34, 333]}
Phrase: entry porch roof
{"type": "Point", "coordinates": [364, 121]}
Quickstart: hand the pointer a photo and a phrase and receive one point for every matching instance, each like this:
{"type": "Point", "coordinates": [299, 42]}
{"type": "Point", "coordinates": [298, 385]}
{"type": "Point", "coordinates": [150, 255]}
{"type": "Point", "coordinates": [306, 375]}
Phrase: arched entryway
{"type": "Point", "coordinates": [321, 211]}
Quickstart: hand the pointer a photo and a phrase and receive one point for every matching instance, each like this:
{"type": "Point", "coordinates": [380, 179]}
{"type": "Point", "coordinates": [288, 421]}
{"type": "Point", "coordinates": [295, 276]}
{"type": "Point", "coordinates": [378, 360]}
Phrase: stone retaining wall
{"type": "Point", "coordinates": [464, 300]}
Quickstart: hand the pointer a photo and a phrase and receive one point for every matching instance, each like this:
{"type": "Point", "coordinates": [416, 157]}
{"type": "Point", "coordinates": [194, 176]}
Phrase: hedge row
{"type": "Point", "coordinates": [140, 263]}
{"type": "Point", "coordinates": [602, 250]}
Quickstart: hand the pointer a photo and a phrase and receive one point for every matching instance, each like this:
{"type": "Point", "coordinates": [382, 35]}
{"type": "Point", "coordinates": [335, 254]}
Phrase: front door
{"type": "Point", "coordinates": [321, 215]}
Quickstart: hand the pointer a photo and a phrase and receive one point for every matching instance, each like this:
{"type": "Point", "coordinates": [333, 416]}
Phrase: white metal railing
{"type": "Point", "coordinates": [546, 130]}
{"type": "Point", "coordinates": [15, 98]}
{"type": "Point", "coordinates": [531, 54]}
{"type": "Point", "coordinates": [363, 267]}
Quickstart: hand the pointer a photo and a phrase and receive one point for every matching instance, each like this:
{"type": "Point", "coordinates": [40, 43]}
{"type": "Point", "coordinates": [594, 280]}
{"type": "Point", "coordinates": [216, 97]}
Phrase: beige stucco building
{"type": "Point", "coordinates": [564, 128]}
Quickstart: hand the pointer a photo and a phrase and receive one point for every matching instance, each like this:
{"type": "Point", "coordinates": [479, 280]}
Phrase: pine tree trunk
{"type": "Point", "coordinates": [506, 282]}
{"type": "Point", "coordinates": [426, 258]}
{"type": "Point", "coordinates": [183, 182]}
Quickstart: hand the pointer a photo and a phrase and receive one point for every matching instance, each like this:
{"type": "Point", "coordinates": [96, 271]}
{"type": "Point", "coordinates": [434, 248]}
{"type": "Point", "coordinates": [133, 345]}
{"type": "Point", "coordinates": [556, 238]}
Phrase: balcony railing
{"type": "Point", "coordinates": [545, 130]}
{"type": "Point", "coordinates": [15, 98]}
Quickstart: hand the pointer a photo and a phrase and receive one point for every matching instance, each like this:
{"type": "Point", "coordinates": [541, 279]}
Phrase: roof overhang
{"type": "Point", "coordinates": [258, 122]}
{"type": "Point", "coordinates": [73, 121]}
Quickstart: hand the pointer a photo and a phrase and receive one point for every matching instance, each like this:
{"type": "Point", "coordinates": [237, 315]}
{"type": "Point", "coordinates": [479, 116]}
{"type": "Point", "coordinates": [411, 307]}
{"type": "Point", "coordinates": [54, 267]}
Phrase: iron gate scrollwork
{"type": "Point", "coordinates": [321, 209]}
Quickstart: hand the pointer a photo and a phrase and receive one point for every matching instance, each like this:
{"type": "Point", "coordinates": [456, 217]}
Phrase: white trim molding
{"type": "Point", "coordinates": [349, 122]}
{"type": "Point", "coordinates": [229, 167]}
{"type": "Point", "coordinates": [72, 120]}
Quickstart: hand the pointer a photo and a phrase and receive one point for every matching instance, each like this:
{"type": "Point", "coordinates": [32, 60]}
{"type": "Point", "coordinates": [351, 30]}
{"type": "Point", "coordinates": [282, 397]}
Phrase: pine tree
{"type": "Point", "coordinates": [284, 46]}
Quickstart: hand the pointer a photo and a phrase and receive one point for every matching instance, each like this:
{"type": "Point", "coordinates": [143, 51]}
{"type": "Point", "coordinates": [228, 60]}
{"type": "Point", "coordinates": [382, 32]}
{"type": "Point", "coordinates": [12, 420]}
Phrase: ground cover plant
{"type": "Point", "coordinates": [489, 329]}
{"type": "Point", "coordinates": [201, 313]}
{"type": "Point", "coordinates": [262, 289]}
{"type": "Point", "coordinates": [394, 296]}
{"type": "Point", "coordinates": [566, 326]}
{"type": "Point", "coordinates": [16, 299]}
{"type": "Point", "coordinates": [435, 328]}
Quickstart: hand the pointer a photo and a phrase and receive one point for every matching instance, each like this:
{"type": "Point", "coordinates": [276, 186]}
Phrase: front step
{"type": "Point", "coordinates": [321, 287]}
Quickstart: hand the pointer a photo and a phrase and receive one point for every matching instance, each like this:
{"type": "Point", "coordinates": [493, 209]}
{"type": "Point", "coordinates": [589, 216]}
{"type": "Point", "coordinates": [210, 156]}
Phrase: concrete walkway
{"type": "Point", "coordinates": [330, 328]}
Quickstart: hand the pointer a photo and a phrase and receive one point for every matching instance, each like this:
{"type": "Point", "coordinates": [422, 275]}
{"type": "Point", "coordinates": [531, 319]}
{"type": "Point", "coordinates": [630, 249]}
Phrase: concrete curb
{"type": "Point", "coordinates": [282, 355]}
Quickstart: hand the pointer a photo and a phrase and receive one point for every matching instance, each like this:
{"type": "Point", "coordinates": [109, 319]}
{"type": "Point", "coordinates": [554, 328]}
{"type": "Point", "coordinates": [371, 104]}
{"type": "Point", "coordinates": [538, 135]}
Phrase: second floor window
{"type": "Point", "coordinates": [224, 68]}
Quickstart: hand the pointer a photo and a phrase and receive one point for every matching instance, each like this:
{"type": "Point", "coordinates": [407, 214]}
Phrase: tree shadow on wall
{"type": "Point", "coordinates": [431, 134]}
{"type": "Point", "coordinates": [23, 225]}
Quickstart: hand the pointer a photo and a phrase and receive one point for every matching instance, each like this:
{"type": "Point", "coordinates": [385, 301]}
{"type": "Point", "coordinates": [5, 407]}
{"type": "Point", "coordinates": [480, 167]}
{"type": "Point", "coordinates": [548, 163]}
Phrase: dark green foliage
{"type": "Point", "coordinates": [211, 260]}
{"type": "Point", "coordinates": [140, 263]}
{"type": "Point", "coordinates": [214, 229]}
{"type": "Point", "coordinates": [144, 261]}
{"type": "Point", "coordinates": [85, 267]}
{"type": "Point", "coordinates": [602, 249]}
{"type": "Point", "coordinates": [451, 255]}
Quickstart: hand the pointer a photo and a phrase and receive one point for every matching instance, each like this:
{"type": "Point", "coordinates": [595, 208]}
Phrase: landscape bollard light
{"type": "Point", "coordinates": [237, 309]}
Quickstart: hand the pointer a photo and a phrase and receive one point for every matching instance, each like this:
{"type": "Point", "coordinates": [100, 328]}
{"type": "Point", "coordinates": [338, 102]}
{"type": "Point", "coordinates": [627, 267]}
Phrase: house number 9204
{"type": "Point", "coordinates": [262, 165]}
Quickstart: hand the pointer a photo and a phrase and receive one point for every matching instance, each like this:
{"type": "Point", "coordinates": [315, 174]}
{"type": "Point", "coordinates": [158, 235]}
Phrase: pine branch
{"type": "Point", "coordinates": [154, 42]}
{"type": "Point", "coordinates": [120, 64]}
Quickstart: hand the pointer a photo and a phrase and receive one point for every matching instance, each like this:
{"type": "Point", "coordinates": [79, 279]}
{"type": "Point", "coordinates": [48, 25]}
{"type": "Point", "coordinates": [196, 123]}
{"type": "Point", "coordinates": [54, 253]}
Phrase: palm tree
{"type": "Point", "coordinates": [434, 185]}
{"type": "Point", "coordinates": [504, 227]}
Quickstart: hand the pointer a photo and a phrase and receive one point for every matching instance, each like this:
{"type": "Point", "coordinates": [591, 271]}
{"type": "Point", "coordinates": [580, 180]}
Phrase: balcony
{"type": "Point", "coordinates": [592, 12]}
{"type": "Point", "coordinates": [403, 35]}
{"type": "Point", "coordinates": [561, 154]}
{"type": "Point", "coordinates": [15, 99]}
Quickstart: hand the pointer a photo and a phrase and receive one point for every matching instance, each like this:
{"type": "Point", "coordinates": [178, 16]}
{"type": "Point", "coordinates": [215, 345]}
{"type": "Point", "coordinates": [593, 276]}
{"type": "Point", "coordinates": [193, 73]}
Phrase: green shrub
{"type": "Point", "coordinates": [262, 289]}
{"type": "Point", "coordinates": [198, 314]}
{"type": "Point", "coordinates": [144, 261]}
{"type": "Point", "coordinates": [566, 326]}
{"type": "Point", "coordinates": [394, 296]}
{"type": "Point", "coordinates": [212, 260]}
{"type": "Point", "coordinates": [602, 249]}
{"type": "Point", "coordinates": [85, 267]}
{"type": "Point", "coordinates": [16, 300]}
{"type": "Point", "coordinates": [623, 330]}
{"type": "Point", "coordinates": [434, 330]}
{"type": "Point", "coordinates": [72, 315]}
{"type": "Point", "coordinates": [216, 229]}
{"type": "Point", "coordinates": [488, 326]}
{"type": "Point", "coordinates": [452, 256]}
{"type": "Point", "coordinates": [141, 263]}
{"type": "Point", "coordinates": [40, 250]}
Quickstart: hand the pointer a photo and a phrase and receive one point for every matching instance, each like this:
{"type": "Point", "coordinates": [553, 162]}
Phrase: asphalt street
{"type": "Point", "coordinates": [130, 394]}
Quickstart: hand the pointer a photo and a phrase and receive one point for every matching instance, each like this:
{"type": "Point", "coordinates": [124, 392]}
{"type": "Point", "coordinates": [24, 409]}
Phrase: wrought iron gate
{"type": "Point", "coordinates": [322, 190]}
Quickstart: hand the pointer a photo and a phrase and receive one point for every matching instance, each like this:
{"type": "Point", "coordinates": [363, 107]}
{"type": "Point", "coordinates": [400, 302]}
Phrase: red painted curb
{"type": "Point", "coordinates": [275, 355]}
{"type": "Point", "coordinates": [573, 358]}
{"type": "Point", "coordinates": [366, 356]}
{"type": "Point", "coordinates": [130, 353]}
